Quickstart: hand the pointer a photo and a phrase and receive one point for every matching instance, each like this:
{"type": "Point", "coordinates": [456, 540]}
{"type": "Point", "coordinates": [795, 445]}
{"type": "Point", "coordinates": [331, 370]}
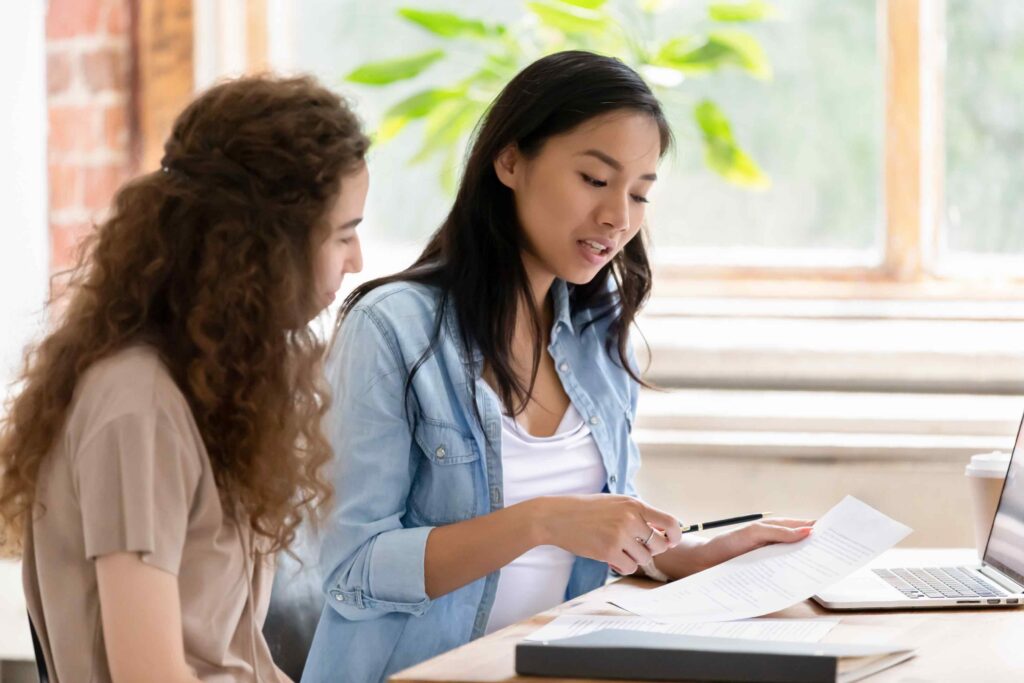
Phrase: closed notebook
{"type": "Point", "coordinates": [631, 655]}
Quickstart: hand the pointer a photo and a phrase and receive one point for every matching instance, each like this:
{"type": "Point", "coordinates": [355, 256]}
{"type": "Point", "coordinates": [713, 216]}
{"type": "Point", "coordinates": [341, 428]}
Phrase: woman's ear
{"type": "Point", "coordinates": [506, 165]}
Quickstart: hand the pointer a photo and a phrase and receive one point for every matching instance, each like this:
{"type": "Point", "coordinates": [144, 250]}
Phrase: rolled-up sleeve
{"type": "Point", "coordinates": [371, 563]}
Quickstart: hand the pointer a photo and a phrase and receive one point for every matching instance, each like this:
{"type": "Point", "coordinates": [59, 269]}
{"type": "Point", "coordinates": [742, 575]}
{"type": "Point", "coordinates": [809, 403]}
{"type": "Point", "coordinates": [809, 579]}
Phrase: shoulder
{"type": "Point", "coordinates": [400, 299]}
{"type": "Point", "coordinates": [402, 311]}
{"type": "Point", "coordinates": [133, 381]}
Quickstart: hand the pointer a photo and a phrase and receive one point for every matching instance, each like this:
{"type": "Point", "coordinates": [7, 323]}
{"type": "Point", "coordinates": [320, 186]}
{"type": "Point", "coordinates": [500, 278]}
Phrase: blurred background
{"type": "Point", "coordinates": [838, 236]}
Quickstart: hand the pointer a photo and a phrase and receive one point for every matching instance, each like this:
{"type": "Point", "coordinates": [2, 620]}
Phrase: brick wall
{"type": "Point", "coordinates": [91, 137]}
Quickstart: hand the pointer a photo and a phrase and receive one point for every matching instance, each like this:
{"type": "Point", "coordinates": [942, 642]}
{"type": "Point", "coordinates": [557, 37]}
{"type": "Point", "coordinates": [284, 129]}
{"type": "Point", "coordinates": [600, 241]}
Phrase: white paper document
{"type": "Point", "coordinates": [774, 577]}
{"type": "Point", "coordinates": [788, 630]}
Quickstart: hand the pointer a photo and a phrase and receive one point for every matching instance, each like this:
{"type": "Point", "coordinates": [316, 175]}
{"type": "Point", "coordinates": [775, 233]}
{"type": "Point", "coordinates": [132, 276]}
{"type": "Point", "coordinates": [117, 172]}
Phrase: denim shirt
{"type": "Point", "coordinates": [405, 464]}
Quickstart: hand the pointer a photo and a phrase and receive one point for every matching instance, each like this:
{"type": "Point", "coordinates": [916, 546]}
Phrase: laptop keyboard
{"type": "Point", "coordinates": [939, 582]}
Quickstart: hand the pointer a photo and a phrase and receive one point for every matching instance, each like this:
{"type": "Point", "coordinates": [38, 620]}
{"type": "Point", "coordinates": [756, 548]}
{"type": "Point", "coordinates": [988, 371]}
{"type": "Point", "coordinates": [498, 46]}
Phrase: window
{"type": "Point", "coordinates": [984, 127]}
{"type": "Point", "coordinates": [859, 128]}
{"type": "Point", "coordinates": [815, 128]}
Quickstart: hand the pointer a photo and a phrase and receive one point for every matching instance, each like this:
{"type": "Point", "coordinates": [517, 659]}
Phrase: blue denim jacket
{"type": "Point", "coordinates": [404, 466]}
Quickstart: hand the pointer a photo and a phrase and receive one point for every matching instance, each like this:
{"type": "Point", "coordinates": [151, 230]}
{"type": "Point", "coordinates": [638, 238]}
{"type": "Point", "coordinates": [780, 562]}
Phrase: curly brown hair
{"type": "Point", "coordinates": [209, 260]}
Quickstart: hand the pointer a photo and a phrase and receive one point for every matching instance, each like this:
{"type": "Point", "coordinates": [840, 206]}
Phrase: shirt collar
{"type": "Point", "coordinates": [560, 303]}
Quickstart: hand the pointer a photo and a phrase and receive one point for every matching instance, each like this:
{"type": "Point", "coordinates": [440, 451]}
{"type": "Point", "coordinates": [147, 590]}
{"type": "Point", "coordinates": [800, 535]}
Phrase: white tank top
{"type": "Point", "coordinates": [566, 463]}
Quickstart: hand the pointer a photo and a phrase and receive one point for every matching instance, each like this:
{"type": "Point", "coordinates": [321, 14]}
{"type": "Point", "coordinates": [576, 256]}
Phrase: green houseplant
{"type": "Point", "coordinates": [623, 29]}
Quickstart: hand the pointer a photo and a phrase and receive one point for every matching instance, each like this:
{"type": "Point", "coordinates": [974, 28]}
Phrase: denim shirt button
{"type": "Point", "coordinates": [594, 419]}
{"type": "Point", "coordinates": [564, 367]}
{"type": "Point", "coordinates": [338, 596]}
{"type": "Point", "coordinates": [440, 453]}
{"type": "Point", "coordinates": [612, 479]}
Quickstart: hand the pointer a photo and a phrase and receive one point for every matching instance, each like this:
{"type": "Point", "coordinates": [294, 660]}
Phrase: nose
{"type": "Point", "coordinates": [614, 212]}
{"type": "Point", "coordinates": [354, 259]}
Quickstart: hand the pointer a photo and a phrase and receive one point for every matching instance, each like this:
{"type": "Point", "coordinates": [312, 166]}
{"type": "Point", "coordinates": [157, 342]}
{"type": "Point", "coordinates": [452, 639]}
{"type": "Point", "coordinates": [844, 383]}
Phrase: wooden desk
{"type": "Point", "coordinates": [952, 645]}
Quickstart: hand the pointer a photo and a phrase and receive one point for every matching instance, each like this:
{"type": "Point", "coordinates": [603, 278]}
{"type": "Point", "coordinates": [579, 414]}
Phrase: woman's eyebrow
{"type": "Point", "coordinates": [598, 154]}
{"type": "Point", "coordinates": [351, 224]}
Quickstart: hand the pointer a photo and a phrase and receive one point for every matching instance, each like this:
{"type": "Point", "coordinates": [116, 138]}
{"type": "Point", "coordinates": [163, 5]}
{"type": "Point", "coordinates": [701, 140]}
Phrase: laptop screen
{"type": "Point", "coordinates": [1005, 549]}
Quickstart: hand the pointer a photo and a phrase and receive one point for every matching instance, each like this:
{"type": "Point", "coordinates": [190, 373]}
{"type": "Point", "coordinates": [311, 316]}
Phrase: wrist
{"type": "Point", "coordinates": [533, 520]}
{"type": "Point", "coordinates": [704, 553]}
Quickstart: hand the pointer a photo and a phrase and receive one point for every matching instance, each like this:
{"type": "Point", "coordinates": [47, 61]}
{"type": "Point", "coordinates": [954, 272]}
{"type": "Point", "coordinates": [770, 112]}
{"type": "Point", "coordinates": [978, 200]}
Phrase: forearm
{"type": "Point", "coordinates": [689, 557]}
{"type": "Point", "coordinates": [460, 553]}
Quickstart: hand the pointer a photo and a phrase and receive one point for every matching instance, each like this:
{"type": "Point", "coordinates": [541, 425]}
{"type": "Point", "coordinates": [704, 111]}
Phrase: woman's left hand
{"type": "Point", "coordinates": [734, 543]}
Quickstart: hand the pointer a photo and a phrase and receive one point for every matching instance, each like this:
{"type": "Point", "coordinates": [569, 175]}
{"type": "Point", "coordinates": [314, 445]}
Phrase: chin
{"type": "Point", "coordinates": [580, 277]}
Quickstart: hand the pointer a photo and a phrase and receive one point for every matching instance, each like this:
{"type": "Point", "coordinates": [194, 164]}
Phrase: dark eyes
{"type": "Point", "coordinates": [594, 182]}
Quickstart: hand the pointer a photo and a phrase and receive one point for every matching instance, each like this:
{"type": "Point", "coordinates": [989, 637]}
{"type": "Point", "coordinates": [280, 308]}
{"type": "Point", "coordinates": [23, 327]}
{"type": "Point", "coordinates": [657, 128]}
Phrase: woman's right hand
{"type": "Point", "coordinates": [605, 527]}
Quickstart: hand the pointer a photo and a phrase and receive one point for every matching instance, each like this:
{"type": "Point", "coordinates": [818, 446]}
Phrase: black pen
{"type": "Point", "coordinates": [722, 522]}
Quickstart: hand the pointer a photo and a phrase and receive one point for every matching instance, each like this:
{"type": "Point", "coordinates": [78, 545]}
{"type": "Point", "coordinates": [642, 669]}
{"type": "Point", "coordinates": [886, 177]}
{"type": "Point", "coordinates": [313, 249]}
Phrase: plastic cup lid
{"type": "Point", "coordinates": [988, 465]}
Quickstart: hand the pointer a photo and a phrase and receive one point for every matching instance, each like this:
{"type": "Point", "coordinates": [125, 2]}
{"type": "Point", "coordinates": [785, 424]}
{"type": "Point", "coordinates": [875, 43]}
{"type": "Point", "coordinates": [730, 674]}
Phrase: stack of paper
{"type": "Point", "coordinates": [790, 630]}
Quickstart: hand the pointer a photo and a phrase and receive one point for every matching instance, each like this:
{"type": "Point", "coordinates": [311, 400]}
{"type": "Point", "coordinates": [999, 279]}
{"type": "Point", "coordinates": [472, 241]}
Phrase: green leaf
{"type": "Point", "coordinates": [713, 122]}
{"type": "Point", "coordinates": [568, 18]}
{"type": "Point", "coordinates": [449, 25]}
{"type": "Point", "coordinates": [752, 10]}
{"type": "Point", "coordinates": [722, 48]}
{"type": "Point", "coordinates": [446, 125]}
{"type": "Point", "coordinates": [415, 106]}
{"type": "Point", "coordinates": [391, 70]}
{"type": "Point", "coordinates": [586, 4]}
{"type": "Point", "coordinates": [722, 154]}
{"type": "Point", "coordinates": [675, 50]}
{"type": "Point", "coordinates": [749, 55]}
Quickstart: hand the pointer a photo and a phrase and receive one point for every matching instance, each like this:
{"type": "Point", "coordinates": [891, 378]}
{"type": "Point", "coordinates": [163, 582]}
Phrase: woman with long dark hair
{"type": "Point", "coordinates": [485, 395]}
{"type": "Point", "coordinates": [166, 438]}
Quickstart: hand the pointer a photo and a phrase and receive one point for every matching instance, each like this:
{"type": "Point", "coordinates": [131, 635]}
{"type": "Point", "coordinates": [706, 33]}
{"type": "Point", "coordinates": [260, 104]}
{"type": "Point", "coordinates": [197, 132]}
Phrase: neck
{"type": "Point", "coordinates": [539, 280]}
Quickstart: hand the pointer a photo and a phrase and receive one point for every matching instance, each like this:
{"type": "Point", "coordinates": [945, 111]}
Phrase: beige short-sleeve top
{"type": "Point", "coordinates": [129, 472]}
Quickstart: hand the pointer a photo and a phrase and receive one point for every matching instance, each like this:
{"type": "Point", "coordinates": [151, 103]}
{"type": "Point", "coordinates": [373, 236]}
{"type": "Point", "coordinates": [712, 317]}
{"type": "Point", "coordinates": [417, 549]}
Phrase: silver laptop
{"type": "Point", "coordinates": [998, 581]}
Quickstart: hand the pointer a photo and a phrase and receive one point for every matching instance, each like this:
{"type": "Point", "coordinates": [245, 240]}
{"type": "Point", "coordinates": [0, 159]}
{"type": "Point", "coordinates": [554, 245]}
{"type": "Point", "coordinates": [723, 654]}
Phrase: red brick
{"type": "Point", "coordinates": [65, 186]}
{"type": "Point", "coordinates": [74, 128]}
{"type": "Point", "coordinates": [105, 69]}
{"type": "Point", "coordinates": [117, 17]}
{"type": "Point", "coordinates": [58, 72]}
{"type": "Point", "coordinates": [116, 135]}
{"type": "Point", "coordinates": [69, 18]}
{"type": "Point", "coordinates": [101, 182]}
{"type": "Point", "coordinates": [65, 241]}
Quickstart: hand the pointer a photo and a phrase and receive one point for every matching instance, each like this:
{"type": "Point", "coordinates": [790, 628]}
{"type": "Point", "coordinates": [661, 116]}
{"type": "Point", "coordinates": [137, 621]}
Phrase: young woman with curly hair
{"type": "Point", "coordinates": [166, 437]}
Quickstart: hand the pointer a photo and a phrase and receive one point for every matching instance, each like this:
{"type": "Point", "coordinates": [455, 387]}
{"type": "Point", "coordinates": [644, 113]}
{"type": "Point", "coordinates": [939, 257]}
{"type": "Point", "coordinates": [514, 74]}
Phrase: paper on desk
{"type": "Point", "coordinates": [774, 577]}
{"type": "Point", "coordinates": [789, 630]}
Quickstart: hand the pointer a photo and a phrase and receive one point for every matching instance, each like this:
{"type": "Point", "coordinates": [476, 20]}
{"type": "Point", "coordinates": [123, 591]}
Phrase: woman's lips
{"type": "Point", "coordinates": [590, 255]}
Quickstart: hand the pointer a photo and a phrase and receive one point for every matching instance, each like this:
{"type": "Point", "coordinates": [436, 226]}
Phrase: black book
{"type": "Point", "coordinates": [634, 655]}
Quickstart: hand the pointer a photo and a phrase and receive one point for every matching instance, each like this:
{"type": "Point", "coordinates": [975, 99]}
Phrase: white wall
{"type": "Point", "coordinates": [24, 234]}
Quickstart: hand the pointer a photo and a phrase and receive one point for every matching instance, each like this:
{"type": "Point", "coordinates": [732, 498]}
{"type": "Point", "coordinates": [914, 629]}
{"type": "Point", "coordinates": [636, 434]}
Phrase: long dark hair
{"type": "Point", "coordinates": [474, 258]}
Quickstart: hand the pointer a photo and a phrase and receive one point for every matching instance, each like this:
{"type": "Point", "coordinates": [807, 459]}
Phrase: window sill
{"type": "Point", "coordinates": [824, 426]}
{"type": "Point", "coordinates": [834, 345]}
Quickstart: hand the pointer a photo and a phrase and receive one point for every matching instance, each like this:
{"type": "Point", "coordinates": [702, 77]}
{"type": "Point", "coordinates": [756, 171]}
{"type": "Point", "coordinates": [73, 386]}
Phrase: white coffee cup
{"type": "Point", "coordinates": [985, 474]}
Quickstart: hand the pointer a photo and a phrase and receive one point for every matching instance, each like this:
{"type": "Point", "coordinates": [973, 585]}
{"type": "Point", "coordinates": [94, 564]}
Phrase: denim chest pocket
{"type": "Point", "coordinates": [444, 444]}
{"type": "Point", "coordinates": [444, 489]}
